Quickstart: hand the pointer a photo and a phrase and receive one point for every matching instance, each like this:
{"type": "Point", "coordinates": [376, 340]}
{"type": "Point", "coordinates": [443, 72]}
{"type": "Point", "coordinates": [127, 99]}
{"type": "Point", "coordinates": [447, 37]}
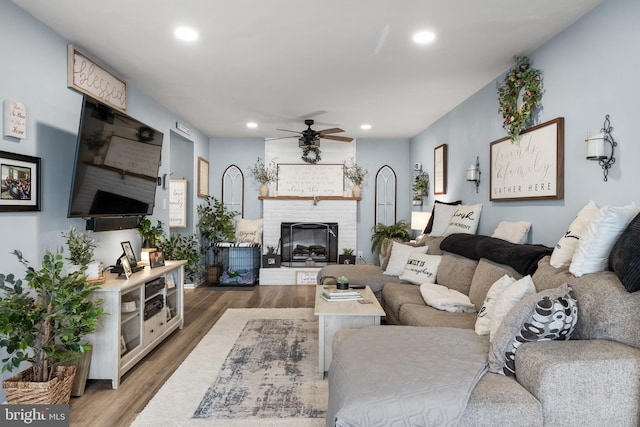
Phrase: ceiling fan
{"type": "Point", "coordinates": [312, 137]}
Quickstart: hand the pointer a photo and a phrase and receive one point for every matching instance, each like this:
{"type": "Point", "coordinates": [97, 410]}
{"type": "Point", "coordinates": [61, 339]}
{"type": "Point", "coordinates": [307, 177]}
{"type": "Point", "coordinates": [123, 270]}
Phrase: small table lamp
{"type": "Point", "coordinates": [419, 221]}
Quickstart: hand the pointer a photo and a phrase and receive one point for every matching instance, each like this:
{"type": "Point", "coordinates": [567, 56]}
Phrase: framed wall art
{"type": "Point", "coordinates": [203, 177]}
{"type": "Point", "coordinates": [178, 203]}
{"type": "Point", "coordinates": [156, 259]}
{"type": "Point", "coordinates": [440, 169]}
{"type": "Point", "coordinates": [531, 168]}
{"type": "Point", "coordinates": [20, 182]}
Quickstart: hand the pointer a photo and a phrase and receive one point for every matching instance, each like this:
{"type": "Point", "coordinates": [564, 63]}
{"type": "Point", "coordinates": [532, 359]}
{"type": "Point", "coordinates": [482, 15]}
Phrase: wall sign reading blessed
{"type": "Point", "coordinates": [86, 76]}
{"type": "Point", "coordinates": [531, 168]}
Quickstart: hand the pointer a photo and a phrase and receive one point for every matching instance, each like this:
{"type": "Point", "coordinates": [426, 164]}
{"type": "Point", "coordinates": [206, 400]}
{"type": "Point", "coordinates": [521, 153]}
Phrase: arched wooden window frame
{"type": "Point", "coordinates": [232, 174]}
{"type": "Point", "coordinates": [383, 177]}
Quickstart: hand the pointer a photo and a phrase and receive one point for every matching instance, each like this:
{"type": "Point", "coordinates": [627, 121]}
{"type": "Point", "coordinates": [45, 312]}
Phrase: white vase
{"type": "Point", "coordinates": [356, 191]}
{"type": "Point", "coordinates": [264, 190]}
{"type": "Point", "coordinates": [94, 270]}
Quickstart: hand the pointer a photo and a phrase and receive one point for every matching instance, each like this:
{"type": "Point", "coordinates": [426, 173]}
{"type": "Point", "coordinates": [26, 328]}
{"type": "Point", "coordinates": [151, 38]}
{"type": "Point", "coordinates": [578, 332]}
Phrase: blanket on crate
{"type": "Point", "coordinates": [523, 258]}
{"type": "Point", "coordinates": [431, 387]}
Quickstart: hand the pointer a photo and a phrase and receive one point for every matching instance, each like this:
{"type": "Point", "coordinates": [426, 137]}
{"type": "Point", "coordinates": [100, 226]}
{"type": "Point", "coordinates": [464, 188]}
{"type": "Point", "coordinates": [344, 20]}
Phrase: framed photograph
{"type": "Point", "coordinates": [20, 182]}
{"type": "Point", "coordinates": [440, 169]}
{"type": "Point", "coordinates": [309, 277]}
{"type": "Point", "coordinates": [156, 259]}
{"type": "Point", "coordinates": [203, 177]}
{"type": "Point", "coordinates": [126, 267]}
{"type": "Point", "coordinates": [128, 252]}
{"type": "Point", "coordinates": [531, 168]}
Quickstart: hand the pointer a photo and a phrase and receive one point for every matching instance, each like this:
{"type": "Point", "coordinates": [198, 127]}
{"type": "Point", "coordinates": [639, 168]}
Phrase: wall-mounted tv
{"type": "Point", "coordinates": [116, 165]}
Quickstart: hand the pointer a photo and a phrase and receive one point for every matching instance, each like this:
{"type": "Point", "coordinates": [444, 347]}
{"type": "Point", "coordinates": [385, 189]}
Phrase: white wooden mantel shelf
{"type": "Point", "coordinates": [317, 198]}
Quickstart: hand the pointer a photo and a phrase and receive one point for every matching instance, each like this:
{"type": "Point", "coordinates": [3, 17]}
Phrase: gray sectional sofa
{"type": "Point", "coordinates": [378, 375]}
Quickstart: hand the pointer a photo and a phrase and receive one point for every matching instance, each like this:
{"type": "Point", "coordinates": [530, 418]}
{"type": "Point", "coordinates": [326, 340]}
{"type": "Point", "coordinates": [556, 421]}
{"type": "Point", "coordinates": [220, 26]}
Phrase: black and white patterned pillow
{"type": "Point", "coordinates": [548, 315]}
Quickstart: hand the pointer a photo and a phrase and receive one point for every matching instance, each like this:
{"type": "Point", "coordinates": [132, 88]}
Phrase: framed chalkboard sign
{"type": "Point", "coordinates": [531, 168]}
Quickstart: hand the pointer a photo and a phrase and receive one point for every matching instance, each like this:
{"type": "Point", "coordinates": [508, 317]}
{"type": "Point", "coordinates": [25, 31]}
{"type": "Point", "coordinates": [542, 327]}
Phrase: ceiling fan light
{"type": "Point", "coordinates": [424, 37]}
{"type": "Point", "coordinates": [252, 125]}
{"type": "Point", "coordinates": [365, 126]}
{"type": "Point", "coordinates": [186, 34]}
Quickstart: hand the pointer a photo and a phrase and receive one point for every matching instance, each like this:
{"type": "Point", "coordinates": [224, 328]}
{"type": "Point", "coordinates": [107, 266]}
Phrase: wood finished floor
{"type": "Point", "coordinates": [102, 406]}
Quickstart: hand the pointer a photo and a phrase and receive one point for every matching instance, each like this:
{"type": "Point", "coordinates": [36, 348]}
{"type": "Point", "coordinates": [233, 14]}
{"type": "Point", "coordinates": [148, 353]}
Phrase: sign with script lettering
{"type": "Point", "coordinates": [531, 168]}
{"type": "Point", "coordinates": [86, 76]}
{"type": "Point", "coordinates": [310, 180]}
{"type": "Point", "coordinates": [15, 119]}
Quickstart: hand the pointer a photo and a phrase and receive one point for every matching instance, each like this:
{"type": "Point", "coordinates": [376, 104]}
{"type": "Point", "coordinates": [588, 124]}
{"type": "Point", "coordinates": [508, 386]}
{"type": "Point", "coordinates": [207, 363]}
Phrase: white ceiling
{"type": "Point", "coordinates": [277, 62]}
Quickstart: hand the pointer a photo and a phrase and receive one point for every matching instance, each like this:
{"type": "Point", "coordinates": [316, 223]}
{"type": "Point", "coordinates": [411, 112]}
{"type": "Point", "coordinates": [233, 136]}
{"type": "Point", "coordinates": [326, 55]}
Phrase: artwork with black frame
{"type": "Point", "coordinates": [156, 259]}
{"type": "Point", "coordinates": [128, 252]}
{"type": "Point", "coordinates": [20, 182]}
{"type": "Point", "coordinates": [126, 268]}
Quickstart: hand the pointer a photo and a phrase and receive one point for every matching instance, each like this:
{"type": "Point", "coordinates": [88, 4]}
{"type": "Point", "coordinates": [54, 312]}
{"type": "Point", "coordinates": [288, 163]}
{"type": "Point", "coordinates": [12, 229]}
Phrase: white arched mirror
{"type": "Point", "coordinates": [386, 196]}
{"type": "Point", "coordinates": [233, 189]}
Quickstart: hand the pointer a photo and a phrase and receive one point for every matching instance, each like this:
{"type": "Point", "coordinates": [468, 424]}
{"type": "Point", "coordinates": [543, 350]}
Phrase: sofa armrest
{"type": "Point", "coordinates": [582, 382]}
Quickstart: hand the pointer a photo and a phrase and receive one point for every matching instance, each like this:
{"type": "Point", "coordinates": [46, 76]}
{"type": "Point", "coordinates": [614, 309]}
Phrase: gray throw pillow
{"type": "Point", "coordinates": [548, 315]}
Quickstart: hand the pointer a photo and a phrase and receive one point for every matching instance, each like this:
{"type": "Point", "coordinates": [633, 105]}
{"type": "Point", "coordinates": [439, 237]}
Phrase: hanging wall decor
{"type": "Point", "coordinates": [519, 96]}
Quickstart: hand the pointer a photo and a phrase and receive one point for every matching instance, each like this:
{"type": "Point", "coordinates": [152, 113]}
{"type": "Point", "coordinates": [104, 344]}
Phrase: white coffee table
{"type": "Point", "coordinates": [336, 315]}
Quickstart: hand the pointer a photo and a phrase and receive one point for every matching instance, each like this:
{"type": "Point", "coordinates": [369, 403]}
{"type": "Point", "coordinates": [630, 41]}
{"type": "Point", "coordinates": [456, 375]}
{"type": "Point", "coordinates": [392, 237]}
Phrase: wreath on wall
{"type": "Point", "coordinates": [521, 80]}
{"type": "Point", "coordinates": [311, 154]}
{"type": "Point", "coordinates": [145, 134]}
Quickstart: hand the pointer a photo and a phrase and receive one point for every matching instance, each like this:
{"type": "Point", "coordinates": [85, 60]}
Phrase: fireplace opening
{"type": "Point", "coordinates": [302, 241]}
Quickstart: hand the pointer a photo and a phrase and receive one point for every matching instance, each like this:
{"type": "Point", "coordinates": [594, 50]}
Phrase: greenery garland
{"type": "Point", "coordinates": [145, 134]}
{"type": "Point", "coordinates": [311, 154]}
{"type": "Point", "coordinates": [521, 78]}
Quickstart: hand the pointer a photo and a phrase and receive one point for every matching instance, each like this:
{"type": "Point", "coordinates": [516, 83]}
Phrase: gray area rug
{"type": "Point", "coordinates": [255, 367]}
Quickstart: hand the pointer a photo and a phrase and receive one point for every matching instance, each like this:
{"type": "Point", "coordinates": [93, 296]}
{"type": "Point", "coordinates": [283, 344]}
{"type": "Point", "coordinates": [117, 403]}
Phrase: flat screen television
{"type": "Point", "coordinates": [116, 165]}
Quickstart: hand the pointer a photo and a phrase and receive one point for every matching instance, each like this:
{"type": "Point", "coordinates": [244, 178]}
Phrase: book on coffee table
{"type": "Point", "coordinates": [332, 291]}
{"type": "Point", "coordinates": [341, 297]}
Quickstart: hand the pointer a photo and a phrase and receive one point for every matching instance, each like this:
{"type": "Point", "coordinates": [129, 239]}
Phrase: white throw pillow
{"type": "Point", "coordinates": [483, 323]}
{"type": "Point", "coordinates": [508, 299]}
{"type": "Point", "coordinates": [566, 246]}
{"type": "Point", "coordinates": [421, 268]}
{"type": "Point", "coordinates": [442, 298]}
{"type": "Point", "coordinates": [442, 214]}
{"type": "Point", "coordinates": [249, 231]}
{"type": "Point", "coordinates": [465, 219]}
{"type": "Point", "coordinates": [514, 232]}
{"type": "Point", "coordinates": [399, 255]}
{"type": "Point", "coordinates": [594, 247]}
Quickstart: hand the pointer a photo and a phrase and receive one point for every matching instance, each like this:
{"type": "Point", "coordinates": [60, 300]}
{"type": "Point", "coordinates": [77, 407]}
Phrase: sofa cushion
{"type": "Point", "coordinates": [512, 231]}
{"type": "Point", "coordinates": [456, 272]}
{"type": "Point", "coordinates": [594, 247]}
{"type": "Point", "coordinates": [507, 300]}
{"type": "Point", "coordinates": [485, 314]}
{"type": "Point", "coordinates": [421, 268]}
{"type": "Point", "coordinates": [423, 315]}
{"type": "Point", "coordinates": [395, 295]}
{"type": "Point", "coordinates": [465, 219]}
{"type": "Point", "coordinates": [566, 246]}
{"type": "Point", "coordinates": [485, 275]}
{"type": "Point", "coordinates": [399, 255]}
{"type": "Point", "coordinates": [544, 316]}
{"type": "Point", "coordinates": [624, 258]}
{"type": "Point", "coordinates": [432, 242]}
{"type": "Point", "coordinates": [429, 227]}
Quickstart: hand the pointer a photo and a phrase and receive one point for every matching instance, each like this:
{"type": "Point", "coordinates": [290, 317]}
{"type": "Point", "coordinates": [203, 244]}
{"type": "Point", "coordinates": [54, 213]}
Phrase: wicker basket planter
{"type": "Point", "coordinates": [20, 390]}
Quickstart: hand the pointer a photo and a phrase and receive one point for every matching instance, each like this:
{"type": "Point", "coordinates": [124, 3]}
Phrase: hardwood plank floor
{"type": "Point", "coordinates": [102, 406]}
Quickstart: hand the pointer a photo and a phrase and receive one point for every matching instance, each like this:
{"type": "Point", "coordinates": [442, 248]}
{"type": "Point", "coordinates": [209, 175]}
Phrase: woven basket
{"type": "Point", "coordinates": [20, 390]}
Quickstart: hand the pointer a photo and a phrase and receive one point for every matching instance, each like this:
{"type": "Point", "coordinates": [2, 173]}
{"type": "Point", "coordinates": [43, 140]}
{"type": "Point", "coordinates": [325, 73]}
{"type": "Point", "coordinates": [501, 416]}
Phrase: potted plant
{"type": "Point", "coordinates": [355, 173]}
{"type": "Point", "coordinates": [384, 234]}
{"type": "Point", "coordinates": [264, 175]}
{"type": "Point", "coordinates": [44, 324]}
{"type": "Point", "coordinates": [95, 142]}
{"type": "Point", "coordinates": [342, 283]}
{"type": "Point", "coordinates": [215, 223]}
{"type": "Point", "coordinates": [347, 256]}
{"type": "Point", "coordinates": [416, 200]}
{"type": "Point", "coordinates": [150, 233]}
{"type": "Point", "coordinates": [421, 184]}
{"type": "Point", "coordinates": [181, 247]}
{"type": "Point", "coordinates": [81, 251]}
{"type": "Point", "coordinates": [271, 259]}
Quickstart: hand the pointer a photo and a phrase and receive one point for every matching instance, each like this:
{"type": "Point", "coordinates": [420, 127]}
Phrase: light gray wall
{"type": "Point", "coordinates": [589, 71]}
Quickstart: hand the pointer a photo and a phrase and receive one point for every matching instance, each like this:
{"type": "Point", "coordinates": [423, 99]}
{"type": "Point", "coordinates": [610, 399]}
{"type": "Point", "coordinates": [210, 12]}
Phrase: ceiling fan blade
{"type": "Point", "coordinates": [337, 138]}
{"type": "Point", "coordinates": [287, 130]}
{"type": "Point", "coordinates": [282, 137]}
{"type": "Point", "coordinates": [332, 130]}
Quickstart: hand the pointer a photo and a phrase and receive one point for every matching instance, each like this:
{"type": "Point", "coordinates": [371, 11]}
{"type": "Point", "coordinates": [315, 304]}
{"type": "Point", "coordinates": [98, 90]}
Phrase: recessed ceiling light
{"type": "Point", "coordinates": [365, 126]}
{"type": "Point", "coordinates": [424, 37]}
{"type": "Point", "coordinates": [252, 125]}
{"type": "Point", "coordinates": [186, 34]}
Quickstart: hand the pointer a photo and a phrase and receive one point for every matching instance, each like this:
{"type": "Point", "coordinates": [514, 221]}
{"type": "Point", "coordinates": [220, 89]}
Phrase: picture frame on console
{"type": "Point", "coordinates": [156, 259]}
{"type": "Point", "coordinates": [126, 267]}
{"type": "Point", "coordinates": [20, 182]}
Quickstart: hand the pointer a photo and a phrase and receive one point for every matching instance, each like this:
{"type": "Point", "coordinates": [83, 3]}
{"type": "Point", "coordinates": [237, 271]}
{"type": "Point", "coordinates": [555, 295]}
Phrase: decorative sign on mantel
{"type": "Point", "coordinates": [15, 119]}
{"type": "Point", "coordinates": [86, 76]}
{"type": "Point", "coordinates": [531, 168]}
{"type": "Point", "coordinates": [310, 180]}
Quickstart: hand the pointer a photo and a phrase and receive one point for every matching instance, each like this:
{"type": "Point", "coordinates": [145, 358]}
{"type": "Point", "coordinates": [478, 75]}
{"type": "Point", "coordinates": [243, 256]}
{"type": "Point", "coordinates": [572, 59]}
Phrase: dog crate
{"type": "Point", "coordinates": [240, 264]}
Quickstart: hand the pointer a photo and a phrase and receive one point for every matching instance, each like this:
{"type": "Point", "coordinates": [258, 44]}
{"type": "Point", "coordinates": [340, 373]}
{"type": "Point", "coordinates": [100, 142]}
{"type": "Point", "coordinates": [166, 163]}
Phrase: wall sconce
{"type": "Point", "coordinates": [597, 150]}
{"type": "Point", "coordinates": [473, 173]}
{"type": "Point", "coordinates": [419, 221]}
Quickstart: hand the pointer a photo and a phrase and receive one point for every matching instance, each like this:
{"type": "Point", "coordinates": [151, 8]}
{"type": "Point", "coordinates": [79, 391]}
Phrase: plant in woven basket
{"type": "Point", "coordinates": [381, 233]}
{"type": "Point", "coordinates": [45, 317]}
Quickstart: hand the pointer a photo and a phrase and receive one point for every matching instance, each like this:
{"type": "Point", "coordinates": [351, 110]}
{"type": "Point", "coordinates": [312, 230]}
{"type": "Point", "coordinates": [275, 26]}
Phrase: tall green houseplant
{"type": "Point", "coordinates": [383, 234]}
{"type": "Point", "coordinates": [215, 223]}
